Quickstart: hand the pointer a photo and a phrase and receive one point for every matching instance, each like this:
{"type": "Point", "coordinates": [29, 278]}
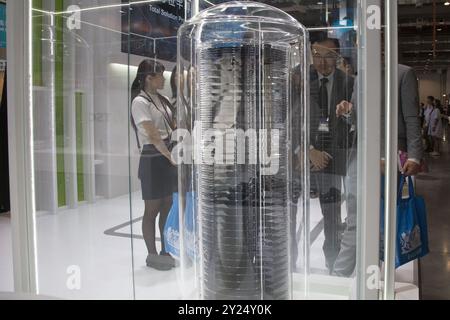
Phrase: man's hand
{"type": "Point", "coordinates": [343, 108]}
{"type": "Point", "coordinates": [411, 168]}
{"type": "Point", "coordinates": [319, 159]}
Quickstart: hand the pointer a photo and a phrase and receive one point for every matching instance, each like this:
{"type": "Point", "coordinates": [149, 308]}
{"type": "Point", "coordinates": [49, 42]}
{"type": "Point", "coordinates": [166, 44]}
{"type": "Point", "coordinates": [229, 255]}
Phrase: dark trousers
{"type": "Point", "coordinates": [329, 187]}
{"type": "Point", "coordinates": [345, 263]}
{"type": "Point", "coordinates": [428, 140]}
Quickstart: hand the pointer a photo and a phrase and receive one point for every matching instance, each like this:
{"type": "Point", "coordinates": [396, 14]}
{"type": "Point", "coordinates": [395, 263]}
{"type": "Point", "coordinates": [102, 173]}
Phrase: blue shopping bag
{"type": "Point", "coordinates": [172, 228]}
{"type": "Point", "coordinates": [190, 243]}
{"type": "Point", "coordinates": [412, 231]}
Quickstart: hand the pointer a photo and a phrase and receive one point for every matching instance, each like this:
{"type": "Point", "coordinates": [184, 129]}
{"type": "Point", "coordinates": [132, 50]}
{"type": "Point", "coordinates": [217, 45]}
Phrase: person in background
{"type": "Point", "coordinates": [439, 106]}
{"type": "Point", "coordinates": [445, 120]}
{"type": "Point", "coordinates": [422, 116]}
{"type": "Point", "coordinates": [435, 129]}
{"type": "Point", "coordinates": [426, 116]}
{"type": "Point", "coordinates": [153, 122]}
{"type": "Point", "coordinates": [443, 112]}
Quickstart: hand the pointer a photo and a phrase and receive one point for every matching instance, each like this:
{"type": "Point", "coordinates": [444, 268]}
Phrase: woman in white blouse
{"type": "Point", "coordinates": [152, 119]}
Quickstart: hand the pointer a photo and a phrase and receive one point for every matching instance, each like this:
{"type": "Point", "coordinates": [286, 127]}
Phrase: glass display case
{"type": "Point", "coordinates": [246, 111]}
{"type": "Point", "coordinates": [275, 196]}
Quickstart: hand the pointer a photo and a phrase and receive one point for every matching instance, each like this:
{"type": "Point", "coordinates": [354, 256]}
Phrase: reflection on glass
{"type": "Point", "coordinates": [330, 144]}
{"type": "Point", "coordinates": [80, 95]}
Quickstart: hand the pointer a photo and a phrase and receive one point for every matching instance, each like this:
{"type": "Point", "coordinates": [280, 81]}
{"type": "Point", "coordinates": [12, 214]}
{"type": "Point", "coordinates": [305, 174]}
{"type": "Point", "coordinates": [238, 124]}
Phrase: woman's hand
{"type": "Point", "coordinates": [157, 141]}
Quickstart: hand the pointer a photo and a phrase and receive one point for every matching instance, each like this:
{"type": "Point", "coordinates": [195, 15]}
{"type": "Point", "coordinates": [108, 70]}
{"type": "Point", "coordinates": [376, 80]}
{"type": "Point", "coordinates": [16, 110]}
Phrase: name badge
{"type": "Point", "coordinates": [323, 125]}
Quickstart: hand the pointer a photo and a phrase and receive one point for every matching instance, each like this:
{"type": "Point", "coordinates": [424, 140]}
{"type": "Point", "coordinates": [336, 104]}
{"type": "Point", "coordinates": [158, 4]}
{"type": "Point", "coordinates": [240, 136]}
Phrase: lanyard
{"type": "Point", "coordinates": [165, 114]}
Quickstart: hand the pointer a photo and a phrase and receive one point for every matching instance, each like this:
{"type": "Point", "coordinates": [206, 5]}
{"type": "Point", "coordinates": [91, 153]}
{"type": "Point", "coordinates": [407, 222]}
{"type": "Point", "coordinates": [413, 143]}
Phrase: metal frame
{"type": "Point", "coordinates": [369, 137]}
{"type": "Point", "coordinates": [391, 134]}
{"type": "Point", "coordinates": [21, 151]}
{"type": "Point", "coordinates": [195, 7]}
{"type": "Point", "coordinates": [22, 161]}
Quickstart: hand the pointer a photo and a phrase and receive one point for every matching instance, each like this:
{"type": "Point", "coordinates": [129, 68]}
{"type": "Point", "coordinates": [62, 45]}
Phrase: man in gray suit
{"type": "Point", "coordinates": [329, 139]}
{"type": "Point", "coordinates": [409, 141]}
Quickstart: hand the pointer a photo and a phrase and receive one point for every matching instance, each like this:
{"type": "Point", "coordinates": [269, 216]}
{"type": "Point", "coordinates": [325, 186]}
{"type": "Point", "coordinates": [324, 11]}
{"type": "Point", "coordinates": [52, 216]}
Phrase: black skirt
{"type": "Point", "coordinates": [158, 176]}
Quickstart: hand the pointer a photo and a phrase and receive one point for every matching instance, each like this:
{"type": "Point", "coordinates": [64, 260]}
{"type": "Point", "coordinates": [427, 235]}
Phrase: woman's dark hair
{"type": "Point", "coordinates": [173, 82]}
{"type": "Point", "coordinates": [146, 68]}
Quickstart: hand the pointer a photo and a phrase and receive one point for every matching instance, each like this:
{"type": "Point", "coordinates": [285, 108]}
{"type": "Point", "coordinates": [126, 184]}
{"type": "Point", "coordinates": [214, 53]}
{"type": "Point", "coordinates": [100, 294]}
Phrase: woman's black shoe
{"type": "Point", "coordinates": [169, 260]}
{"type": "Point", "coordinates": [158, 262]}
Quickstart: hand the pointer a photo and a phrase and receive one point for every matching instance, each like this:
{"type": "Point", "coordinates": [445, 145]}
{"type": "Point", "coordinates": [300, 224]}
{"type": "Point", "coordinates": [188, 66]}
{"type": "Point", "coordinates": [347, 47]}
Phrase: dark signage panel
{"type": "Point", "coordinates": [150, 29]}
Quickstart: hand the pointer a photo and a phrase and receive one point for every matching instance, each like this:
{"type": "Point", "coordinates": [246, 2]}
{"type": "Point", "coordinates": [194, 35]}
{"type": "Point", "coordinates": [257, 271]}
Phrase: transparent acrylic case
{"type": "Point", "coordinates": [243, 137]}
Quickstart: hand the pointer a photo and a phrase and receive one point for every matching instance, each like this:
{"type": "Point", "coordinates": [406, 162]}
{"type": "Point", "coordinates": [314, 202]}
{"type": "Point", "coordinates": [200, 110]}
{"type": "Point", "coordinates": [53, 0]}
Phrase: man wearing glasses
{"type": "Point", "coordinates": [330, 139]}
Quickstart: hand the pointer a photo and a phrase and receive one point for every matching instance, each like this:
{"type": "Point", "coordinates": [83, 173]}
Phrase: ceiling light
{"type": "Point", "coordinates": [447, 4]}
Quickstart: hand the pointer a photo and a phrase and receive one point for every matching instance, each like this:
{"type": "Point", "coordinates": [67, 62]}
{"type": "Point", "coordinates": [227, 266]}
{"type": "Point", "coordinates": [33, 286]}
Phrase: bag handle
{"type": "Point", "coordinates": [400, 188]}
{"type": "Point", "coordinates": [412, 193]}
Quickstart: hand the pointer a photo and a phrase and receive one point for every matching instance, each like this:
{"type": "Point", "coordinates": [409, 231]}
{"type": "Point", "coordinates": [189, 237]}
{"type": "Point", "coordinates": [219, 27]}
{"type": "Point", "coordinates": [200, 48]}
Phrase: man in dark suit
{"type": "Point", "coordinates": [330, 137]}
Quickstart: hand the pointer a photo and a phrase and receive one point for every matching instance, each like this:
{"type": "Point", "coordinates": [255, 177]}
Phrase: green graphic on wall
{"type": "Point", "coordinates": [79, 99]}
{"type": "Point", "coordinates": [59, 103]}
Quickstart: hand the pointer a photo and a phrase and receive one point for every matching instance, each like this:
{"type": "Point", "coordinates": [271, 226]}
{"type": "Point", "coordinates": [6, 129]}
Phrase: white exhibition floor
{"type": "Point", "coordinates": [74, 239]}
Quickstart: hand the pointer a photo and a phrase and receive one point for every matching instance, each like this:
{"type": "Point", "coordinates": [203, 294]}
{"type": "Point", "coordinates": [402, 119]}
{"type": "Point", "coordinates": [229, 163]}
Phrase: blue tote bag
{"type": "Point", "coordinates": [412, 231]}
{"type": "Point", "coordinates": [172, 228]}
